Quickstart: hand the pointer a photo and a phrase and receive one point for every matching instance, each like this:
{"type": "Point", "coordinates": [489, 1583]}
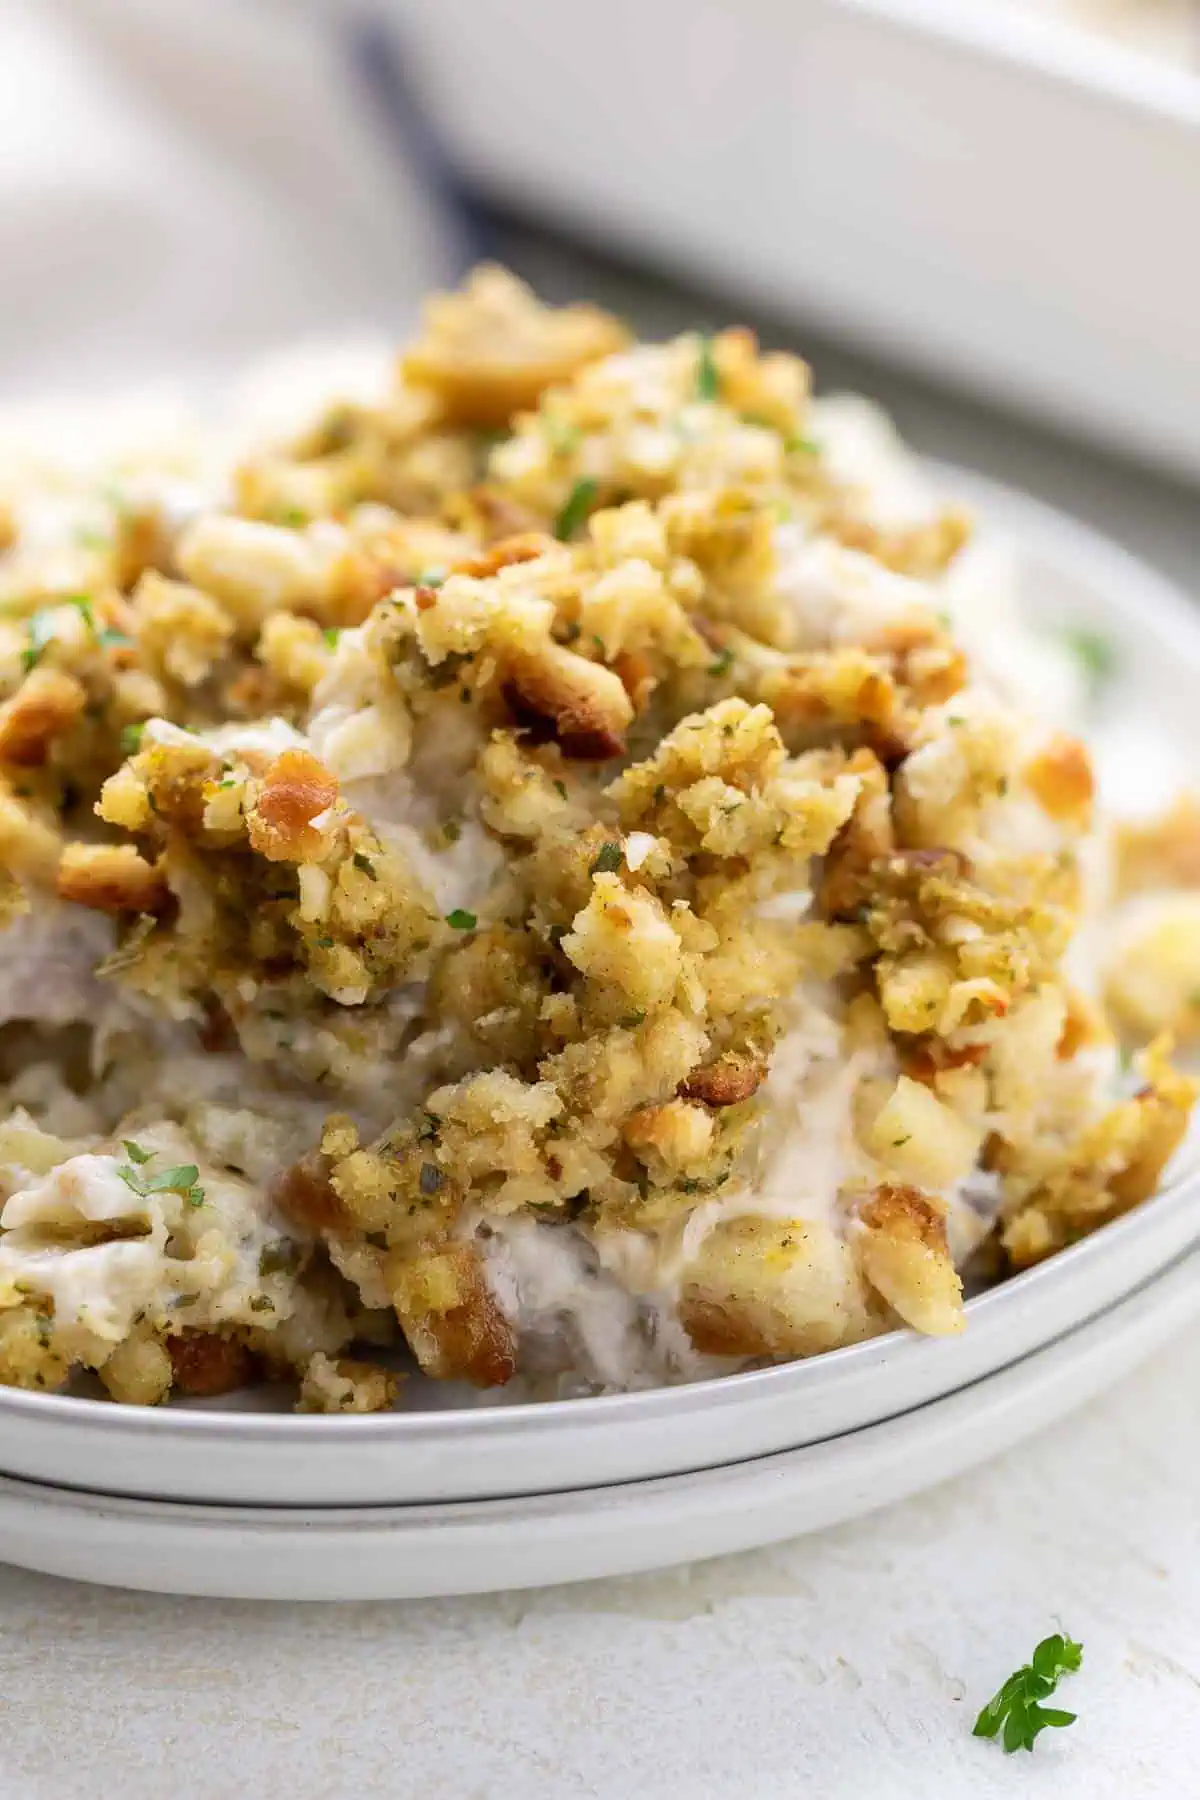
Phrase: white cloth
{"type": "Point", "coordinates": [185, 185]}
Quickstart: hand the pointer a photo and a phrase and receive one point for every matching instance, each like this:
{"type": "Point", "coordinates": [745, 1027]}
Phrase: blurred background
{"type": "Point", "coordinates": [982, 212]}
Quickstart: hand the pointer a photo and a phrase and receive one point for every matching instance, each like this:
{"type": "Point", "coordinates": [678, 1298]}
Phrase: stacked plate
{"type": "Point", "coordinates": [453, 1498]}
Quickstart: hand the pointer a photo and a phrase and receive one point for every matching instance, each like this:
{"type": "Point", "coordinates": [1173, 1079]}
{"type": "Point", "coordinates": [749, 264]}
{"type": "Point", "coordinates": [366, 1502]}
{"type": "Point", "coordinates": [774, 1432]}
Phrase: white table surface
{"type": "Point", "coordinates": [847, 1664]}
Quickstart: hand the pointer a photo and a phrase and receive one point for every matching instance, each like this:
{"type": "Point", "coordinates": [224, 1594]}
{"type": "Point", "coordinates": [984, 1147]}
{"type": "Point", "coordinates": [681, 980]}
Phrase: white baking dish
{"type": "Point", "coordinates": [990, 195]}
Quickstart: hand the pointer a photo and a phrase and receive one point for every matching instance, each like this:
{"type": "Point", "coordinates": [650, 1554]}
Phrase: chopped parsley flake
{"type": "Point", "coordinates": [331, 634]}
{"type": "Point", "coordinates": [131, 739]}
{"type": "Point", "coordinates": [135, 1153]}
{"type": "Point", "coordinates": [41, 633]}
{"type": "Point", "coordinates": [366, 865]}
{"type": "Point", "coordinates": [608, 861]}
{"type": "Point", "coordinates": [181, 1179]}
{"type": "Point", "coordinates": [1017, 1709]}
{"type": "Point", "coordinates": [560, 788]}
{"type": "Point", "coordinates": [1094, 652]}
{"type": "Point", "coordinates": [722, 663]}
{"type": "Point", "coordinates": [708, 382]}
{"type": "Point", "coordinates": [576, 507]}
{"type": "Point", "coordinates": [461, 919]}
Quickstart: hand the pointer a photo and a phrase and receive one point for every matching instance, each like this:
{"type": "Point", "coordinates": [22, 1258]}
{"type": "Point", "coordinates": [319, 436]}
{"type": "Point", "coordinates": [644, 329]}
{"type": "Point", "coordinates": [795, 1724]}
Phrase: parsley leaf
{"type": "Point", "coordinates": [721, 663]}
{"type": "Point", "coordinates": [708, 382]}
{"type": "Point", "coordinates": [131, 739]}
{"type": "Point", "coordinates": [365, 864]}
{"type": "Point", "coordinates": [1094, 652]}
{"type": "Point", "coordinates": [576, 507]}
{"type": "Point", "coordinates": [608, 861]}
{"type": "Point", "coordinates": [461, 919]}
{"type": "Point", "coordinates": [1016, 1713]}
{"type": "Point", "coordinates": [135, 1153]}
{"type": "Point", "coordinates": [182, 1179]}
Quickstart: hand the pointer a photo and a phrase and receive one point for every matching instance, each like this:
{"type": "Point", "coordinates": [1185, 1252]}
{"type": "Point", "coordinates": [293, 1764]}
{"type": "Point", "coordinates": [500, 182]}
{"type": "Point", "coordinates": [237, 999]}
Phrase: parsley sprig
{"type": "Point", "coordinates": [182, 1178]}
{"type": "Point", "coordinates": [1017, 1709]}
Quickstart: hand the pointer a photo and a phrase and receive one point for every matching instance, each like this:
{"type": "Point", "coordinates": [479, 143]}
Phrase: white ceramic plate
{"type": "Point", "coordinates": [405, 1552]}
{"type": "Point", "coordinates": [450, 1451]}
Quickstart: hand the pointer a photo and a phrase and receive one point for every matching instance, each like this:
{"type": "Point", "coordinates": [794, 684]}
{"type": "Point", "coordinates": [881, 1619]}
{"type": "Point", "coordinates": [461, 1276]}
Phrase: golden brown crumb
{"type": "Point", "coordinates": [46, 705]}
{"type": "Point", "coordinates": [488, 352]}
{"type": "Point", "coordinates": [451, 1318]}
{"type": "Point", "coordinates": [726, 1082]}
{"type": "Point", "coordinates": [296, 790]}
{"type": "Point", "coordinates": [111, 878]}
{"type": "Point", "coordinates": [204, 1364]}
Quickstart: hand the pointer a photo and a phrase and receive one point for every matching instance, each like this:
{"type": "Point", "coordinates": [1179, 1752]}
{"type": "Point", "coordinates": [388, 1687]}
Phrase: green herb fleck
{"type": "Point", "coordinates": [331, 634]}
{"type": "Point", "coordinates": [431, 577]}
{"type": "Point", "coordinates": [461, 919]}
{"type": "Point", "coordinates": [135, 1153]}
{"type": "Point", "coordinates": [293, 516]}
{"type": "Point", "coordinates": [323, 943]}
{"type": "Point", "coordinates": [1017, 1708]}
{"type": "Point", "coordinates": [708, 382]}
{"type": "Point", "coordinates": [577, 506]}
{"type": "Point", "coordinates": [366, 865]}
{"type": "Point", "coordinates": [1095, 654]}
{"type": "Point", "coordinates": [722, 663]}
{"type": "Point", "coordinates": [41, 633]}
{"type": "Point", "coordinates": [632, 1020]}
{"type": "Point", "coordinates": [796, 445]}
{"type": "Point", "coordinates": [452, 831]}
{"type": "Point", "coordinates": [181, 1179]}
{"type": "Point", "coordinates": [560, 788]}
{"type": "Point", "coordinates": [131, 739]}
{"type": "Point", "coordinates": [608, 860]}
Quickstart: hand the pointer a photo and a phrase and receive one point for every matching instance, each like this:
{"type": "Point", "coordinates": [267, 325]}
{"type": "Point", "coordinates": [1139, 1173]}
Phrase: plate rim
{"type": "Point", "coordinates": [427, 1550]}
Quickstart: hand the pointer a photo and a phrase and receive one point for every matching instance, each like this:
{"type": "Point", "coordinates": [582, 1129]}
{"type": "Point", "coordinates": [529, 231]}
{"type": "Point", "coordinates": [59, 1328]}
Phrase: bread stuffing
{"type": "Point", "coordinates": [539, 874]}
